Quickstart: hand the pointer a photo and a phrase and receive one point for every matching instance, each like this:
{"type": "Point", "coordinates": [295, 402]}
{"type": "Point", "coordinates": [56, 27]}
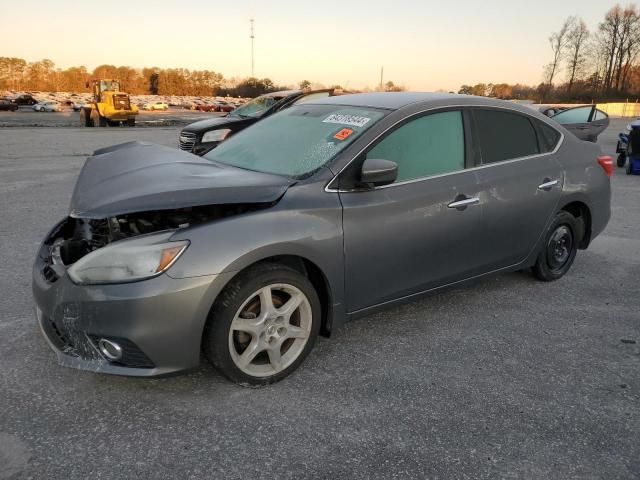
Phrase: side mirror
{"type": "Point", "coordinates": [378, 172]}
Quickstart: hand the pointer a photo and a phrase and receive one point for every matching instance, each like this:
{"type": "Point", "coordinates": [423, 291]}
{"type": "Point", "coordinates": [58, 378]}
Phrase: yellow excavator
{"type": "Point", "coordinates": [109, 107]}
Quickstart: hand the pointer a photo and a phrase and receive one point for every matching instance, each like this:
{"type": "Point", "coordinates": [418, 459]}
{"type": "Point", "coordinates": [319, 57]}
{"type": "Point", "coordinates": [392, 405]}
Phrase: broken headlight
{"type": "Point", "coordinates": [128, 260]}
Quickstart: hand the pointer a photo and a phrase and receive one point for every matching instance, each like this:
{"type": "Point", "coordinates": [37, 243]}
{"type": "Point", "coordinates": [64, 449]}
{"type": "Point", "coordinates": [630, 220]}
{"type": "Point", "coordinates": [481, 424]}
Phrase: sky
{"type": "Point", "coordinates": [424, 45]}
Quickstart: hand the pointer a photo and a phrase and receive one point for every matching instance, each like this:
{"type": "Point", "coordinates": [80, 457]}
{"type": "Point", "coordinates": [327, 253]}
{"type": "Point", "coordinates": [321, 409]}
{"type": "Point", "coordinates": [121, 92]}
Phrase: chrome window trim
{"type": "Point", "coordinates": [328, 188]}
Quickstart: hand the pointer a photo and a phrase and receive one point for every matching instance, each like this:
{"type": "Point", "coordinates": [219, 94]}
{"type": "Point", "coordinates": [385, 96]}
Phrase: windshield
{"type": "Point", "coordinates": [256, 107]}
{"type": "Point", "coordinates": [297, 141]}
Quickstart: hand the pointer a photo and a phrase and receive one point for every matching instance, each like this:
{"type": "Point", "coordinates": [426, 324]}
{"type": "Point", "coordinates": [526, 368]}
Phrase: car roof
{"type": "Point", "coordinates": [282, 93]}
{"type": "Point", "coordinates": [398, 100]}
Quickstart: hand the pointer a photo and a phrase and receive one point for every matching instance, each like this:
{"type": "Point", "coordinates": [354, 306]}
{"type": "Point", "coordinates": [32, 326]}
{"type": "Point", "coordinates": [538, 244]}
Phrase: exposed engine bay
{"type": "Point", "coordinates": [77, 237]}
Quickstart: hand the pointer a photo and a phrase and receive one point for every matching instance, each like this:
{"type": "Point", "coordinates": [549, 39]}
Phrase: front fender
{"type": "Point", "coordinates": [307, 223]}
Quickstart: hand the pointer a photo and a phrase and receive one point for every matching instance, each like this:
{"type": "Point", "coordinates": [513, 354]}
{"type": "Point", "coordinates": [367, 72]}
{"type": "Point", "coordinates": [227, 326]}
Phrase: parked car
{"type": "Point", "coordinates": [25, 100]}
{"type": "Point", "coordinates": [156, 106]}
{"type": "Point", "coordinates": [586, 121]}
{"type": "Point", "coordinates": [48, 106]}
{"type": "Point", "coordinates": [202, 136]}
{"type": "Point", "coordinates": [222, 106]}
{"type": "Point", "coordinates": [77, 105]}
{"type": "Point", "coordinates": [6, 104]}
{"type": "Point", "coordinates": [323, 212]}
{"type": "Point", "coordinates": [207, 107]}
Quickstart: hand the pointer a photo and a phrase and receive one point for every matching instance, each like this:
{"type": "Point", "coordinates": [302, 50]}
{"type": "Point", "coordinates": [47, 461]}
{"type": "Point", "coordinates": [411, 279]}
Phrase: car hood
{"type": "Point", "coordinates": [139, 177]}
{"type": "Point", "coordinates": [214, 123]}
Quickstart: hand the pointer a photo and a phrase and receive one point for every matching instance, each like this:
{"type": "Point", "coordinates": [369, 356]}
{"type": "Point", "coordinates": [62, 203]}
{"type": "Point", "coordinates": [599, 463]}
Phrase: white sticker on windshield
{"type": "Point", "coordinates": [345, 119]}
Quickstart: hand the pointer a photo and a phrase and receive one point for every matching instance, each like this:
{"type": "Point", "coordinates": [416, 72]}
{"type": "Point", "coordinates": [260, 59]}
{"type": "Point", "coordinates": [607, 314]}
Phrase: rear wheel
{"type": "Point", "coordinates": [621, 160]}
{"type": "Point", "coordinates": [628, 168]}
{"type": "Point", "coordinates": [559, 249]}
{"type": "Point", "coordinates": [263, 325]}
{"type": "Point", "coordinates": [130, 122]}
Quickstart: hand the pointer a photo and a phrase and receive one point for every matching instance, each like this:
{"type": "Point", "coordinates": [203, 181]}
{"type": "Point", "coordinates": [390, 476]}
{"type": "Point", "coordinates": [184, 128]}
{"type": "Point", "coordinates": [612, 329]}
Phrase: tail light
{"type": "Point", "coordinates": [606, 162]}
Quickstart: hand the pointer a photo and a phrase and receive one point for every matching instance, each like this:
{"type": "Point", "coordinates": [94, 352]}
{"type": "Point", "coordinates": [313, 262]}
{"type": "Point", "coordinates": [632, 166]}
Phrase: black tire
{"type": "Point", "coordinates": [130, 122]}
{"type": "Point", "coordinates": [216, 345]}
{"type": "Point", "coordinates": [621, 160]}
{"type": "Point", "coordinates": [85, 117]}
{"type": "Point", "coordinates": [98, 120]}
{"type": "Point", "coordinates": [559, 248]}
{"type": "Point", "coordinates": [629, 168]}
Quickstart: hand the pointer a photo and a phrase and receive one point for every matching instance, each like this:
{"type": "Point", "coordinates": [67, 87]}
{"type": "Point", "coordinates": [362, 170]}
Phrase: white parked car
{"type": "Point", "coordinates": [48, 106]}
{"type": "Point", "coordinates": [155, 106]}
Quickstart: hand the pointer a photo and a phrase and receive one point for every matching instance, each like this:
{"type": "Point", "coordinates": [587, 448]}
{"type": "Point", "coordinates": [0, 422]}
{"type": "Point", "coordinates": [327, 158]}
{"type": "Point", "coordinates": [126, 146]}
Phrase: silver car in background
{"type": "Point", "coordinates": [321, 213]}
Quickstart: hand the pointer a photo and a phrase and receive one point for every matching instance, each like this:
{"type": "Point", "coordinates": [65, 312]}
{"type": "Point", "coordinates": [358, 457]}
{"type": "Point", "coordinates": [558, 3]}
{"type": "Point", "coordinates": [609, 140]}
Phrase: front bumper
{"type": "Point", "coordinates": [158, 322]}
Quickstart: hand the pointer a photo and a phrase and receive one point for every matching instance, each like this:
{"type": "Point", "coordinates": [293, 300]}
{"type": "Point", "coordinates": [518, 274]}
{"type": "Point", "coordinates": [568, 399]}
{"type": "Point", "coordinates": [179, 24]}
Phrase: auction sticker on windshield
{"type": "Point", "coordinates": [344, 119]}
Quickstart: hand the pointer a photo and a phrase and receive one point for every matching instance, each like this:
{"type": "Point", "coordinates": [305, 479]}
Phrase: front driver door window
{"type": "Point", "coordinates": [404, 238]}
{"type": "Point", "coordinates": [426, 146]}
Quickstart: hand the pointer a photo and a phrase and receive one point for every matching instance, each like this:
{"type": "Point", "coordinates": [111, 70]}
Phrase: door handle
{"type": "Point", "coordinates": [547, 184]}
{"type": "Point", "coordinates": [583, 127]}
{"type": "Point", "coordinates": [462, 201]}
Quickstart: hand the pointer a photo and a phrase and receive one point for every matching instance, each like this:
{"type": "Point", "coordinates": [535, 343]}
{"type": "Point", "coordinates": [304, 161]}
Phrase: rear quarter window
{"type": "Point", "coordinates": [504, 135]}
{"type": "Point", "coordinates": [548, 137]}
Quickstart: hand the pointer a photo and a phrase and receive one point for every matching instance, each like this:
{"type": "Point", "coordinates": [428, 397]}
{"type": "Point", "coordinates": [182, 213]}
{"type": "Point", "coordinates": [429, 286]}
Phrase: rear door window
{"type": "Point", "coordinates": [429, 145]}
{"type": "Point", "coordinates": [574, 115]}
{"type": "Point", "coordinates": [504, 135]}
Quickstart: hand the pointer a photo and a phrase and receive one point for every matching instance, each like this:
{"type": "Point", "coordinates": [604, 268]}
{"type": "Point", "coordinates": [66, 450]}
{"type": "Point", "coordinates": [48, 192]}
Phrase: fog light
{"type": "Point", "coordinates": [111, 350]}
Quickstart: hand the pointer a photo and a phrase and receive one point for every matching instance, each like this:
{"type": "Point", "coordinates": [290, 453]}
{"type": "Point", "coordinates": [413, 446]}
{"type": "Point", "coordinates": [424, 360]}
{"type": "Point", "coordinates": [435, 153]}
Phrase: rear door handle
{"type": "Point", "coordinates": [462, 201]}
{"type": "Point", "coordinates": [547, 184]}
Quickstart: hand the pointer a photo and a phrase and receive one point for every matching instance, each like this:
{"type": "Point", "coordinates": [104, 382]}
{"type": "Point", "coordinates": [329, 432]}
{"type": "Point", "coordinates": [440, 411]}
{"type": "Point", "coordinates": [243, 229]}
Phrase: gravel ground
{"type": "Point", "coordinates": [25, 117]}
{"type": "Point", "coordinates": [508, 378]}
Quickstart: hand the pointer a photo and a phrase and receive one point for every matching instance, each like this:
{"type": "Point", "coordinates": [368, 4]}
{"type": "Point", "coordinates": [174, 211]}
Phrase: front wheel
{"type": "Point", "coordinates": [620, 161]}
{"type": "Point", "coordinates": [263, 325]}
{"type": "Point", "coordinates": [559, 249]}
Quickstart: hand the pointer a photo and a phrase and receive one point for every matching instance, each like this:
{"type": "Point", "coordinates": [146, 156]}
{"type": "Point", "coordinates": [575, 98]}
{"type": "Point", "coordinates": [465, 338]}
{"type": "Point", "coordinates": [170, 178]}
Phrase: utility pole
{"type": "Point", "coordinates": [252, 39]}
{"type": "Point", "coordinates": [381, 75]}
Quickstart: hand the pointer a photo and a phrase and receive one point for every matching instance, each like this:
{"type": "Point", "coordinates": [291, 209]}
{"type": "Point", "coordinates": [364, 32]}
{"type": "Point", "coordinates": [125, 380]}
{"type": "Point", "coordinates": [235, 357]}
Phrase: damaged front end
{"type": "Point", "coordinates": [81, 319]}
{"type": "Point", "coordinates": [128, 205]}
{"type": "Point", "coordinates": [75, 237]}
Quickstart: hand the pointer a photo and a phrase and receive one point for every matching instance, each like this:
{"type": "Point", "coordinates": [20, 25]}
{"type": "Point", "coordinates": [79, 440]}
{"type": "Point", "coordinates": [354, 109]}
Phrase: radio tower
{"type": "Point", "coordinates": [252, 38]}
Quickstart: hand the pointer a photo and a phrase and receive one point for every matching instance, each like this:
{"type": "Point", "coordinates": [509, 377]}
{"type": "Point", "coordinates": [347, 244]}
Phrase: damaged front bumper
{"type": "Point", "coordinates": [157, 323]}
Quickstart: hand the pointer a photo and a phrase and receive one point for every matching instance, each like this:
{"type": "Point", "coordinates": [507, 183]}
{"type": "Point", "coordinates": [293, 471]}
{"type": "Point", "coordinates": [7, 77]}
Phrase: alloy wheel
{"type": "Point", "coordinates": [270, 330]}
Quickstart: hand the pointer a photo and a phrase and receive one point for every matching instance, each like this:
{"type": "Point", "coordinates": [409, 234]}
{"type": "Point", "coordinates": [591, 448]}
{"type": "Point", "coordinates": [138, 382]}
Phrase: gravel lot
{"type": "Point", "coordinates": [26, 117]}
{"type": "Point", "coordinates": [508, 378]}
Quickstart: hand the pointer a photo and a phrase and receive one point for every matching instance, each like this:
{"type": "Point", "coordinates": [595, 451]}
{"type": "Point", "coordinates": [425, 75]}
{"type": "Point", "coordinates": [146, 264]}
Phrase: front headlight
{"type": "Point", "coordinates": [127, 261]}
{"type": "Point", "coordinates": [216, 135]}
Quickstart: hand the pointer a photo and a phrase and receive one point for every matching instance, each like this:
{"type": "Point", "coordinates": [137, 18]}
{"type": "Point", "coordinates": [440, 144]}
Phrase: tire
{"type": "Point", "coordinates": [559, 248]}
{"type": "Point", "coordinates": [85, 119]}
{"type": "Point", "coordinates": [620, 161]}
{"type": "Point", "coordinates": [628, 170]}
{"type": "Point", "coordinates": [241, 304]}
{"type": "Point", "coordinates": [130, 122]}
{"type": "Point", "coordinates": [98, 120]}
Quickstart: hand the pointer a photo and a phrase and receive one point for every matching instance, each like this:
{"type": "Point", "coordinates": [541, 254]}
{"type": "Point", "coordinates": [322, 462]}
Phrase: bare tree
{"type": "Point", "coordinates": [628, 45]}
{"type": "Point", "coordinates": [558, 42]}
{"type": "Point", "coordinates": [576, 51]}
{"type": "Point", "coordinates": [609, 31]}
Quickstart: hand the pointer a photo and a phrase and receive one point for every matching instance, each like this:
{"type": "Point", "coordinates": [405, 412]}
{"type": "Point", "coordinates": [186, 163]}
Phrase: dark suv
{"type": "Point", "coordinates": [201, 137]}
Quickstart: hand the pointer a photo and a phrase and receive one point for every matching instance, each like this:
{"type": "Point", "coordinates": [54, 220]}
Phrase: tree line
{"type": "Point", "coordinates": [585, 65]}
{"type": "Point", "coordinates": [18, 75]}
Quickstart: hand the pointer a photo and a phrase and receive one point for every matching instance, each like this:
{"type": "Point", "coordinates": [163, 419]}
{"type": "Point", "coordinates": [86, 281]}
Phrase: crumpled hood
{"type": "Point", "coordinates": [139, 177]}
